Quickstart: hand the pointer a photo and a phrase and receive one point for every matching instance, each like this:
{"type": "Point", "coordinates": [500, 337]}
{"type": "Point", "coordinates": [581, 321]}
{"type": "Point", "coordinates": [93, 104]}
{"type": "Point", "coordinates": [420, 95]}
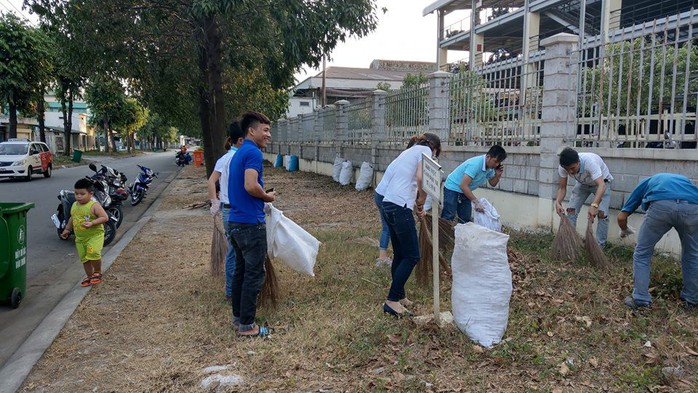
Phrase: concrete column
{"type": "Point", "coordinates": [439, 104]}
{"type": "Point", "coordinates": [558, 115]}
{"type": "Point", "coordinates": [441, 53]}
{"type": "Point", "coordinates": [342, 129]}
{"type": "Point", "coordinates": [378, 132]}
{"type": "Point", "coordinates": [610, 17]}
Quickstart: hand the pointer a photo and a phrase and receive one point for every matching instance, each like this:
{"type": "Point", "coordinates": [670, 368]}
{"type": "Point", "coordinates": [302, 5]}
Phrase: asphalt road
{"type": "Point", "coordinates": [52, 264]}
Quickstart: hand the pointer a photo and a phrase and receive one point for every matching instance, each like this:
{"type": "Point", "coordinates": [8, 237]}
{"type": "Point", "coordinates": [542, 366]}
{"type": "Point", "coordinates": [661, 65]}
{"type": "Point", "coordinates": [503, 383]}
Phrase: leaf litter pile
{"type": "Point", "coordinates": [159, 322]}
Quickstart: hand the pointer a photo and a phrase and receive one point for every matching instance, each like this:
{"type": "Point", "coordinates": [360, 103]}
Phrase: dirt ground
{"type": "Point", "coordinates": [159, 322]}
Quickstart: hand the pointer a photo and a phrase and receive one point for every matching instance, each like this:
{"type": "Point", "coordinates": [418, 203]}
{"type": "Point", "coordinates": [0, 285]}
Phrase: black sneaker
{"type": "Point", "coordinates": [688, 306]}
{"type": "Point", "coordinates": [632, 304]}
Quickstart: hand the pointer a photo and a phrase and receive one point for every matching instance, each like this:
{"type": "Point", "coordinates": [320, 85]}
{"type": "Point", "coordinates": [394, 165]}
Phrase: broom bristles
{"type": "Point", "coordinates": [596, 255]}
{"type": "Point", "coordinates": [269, 295]}
{"type": "Point", "coordinates": [567, 245]}
{"type": "Point", "coordinates": [219, 247]}
{"type": "Point", "coordinates": [424, 269]}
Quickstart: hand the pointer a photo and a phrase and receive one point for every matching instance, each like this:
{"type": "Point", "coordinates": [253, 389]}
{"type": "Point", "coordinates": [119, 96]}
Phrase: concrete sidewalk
{"type": "Point", "coordinates": [22, 361]}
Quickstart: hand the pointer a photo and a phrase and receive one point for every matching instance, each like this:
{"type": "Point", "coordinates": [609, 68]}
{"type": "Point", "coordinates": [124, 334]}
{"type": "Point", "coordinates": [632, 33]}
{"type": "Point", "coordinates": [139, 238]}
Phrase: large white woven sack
{"type": "Point", "coordinates": [365, 176]}
{"type": "Point", "coordinates": [337, 168]}
{"type": "Point", "coordinates": [289, 243]}
{"type": "Point", "coordinates": [481, 283]}
{"type": "Point", "coordinates": [489, 218]}
{"type": "Point", "coordinates": [346, 173]}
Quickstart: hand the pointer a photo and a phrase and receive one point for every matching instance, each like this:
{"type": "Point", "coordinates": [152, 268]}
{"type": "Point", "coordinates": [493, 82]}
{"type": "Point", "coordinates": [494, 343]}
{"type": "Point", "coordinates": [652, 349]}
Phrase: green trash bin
{"type": "Point", "coordinates": [13, 251]}
{"type": "Point", "coordinates": [77, 155]}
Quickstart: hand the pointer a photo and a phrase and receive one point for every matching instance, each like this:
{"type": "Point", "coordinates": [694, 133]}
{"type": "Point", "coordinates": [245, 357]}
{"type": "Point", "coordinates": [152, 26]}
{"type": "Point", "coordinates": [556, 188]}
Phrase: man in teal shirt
{"type": "Point", "coordinates": [471, 174]}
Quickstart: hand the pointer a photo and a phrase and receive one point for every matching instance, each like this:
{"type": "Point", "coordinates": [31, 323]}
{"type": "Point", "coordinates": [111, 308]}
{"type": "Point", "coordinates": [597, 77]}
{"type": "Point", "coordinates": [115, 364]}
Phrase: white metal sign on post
{"type": "Point", "coordinates": [431, 184]}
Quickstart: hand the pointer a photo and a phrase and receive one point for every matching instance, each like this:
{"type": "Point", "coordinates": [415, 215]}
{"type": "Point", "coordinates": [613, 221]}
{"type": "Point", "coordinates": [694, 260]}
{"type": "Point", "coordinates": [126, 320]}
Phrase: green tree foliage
{"type": "Point", "coordinates": [25, 54]}
{"type": "Point", "coordinates": [192, 59]}
{"type": "Point", "coordinates": [621, 84]}
{"type": "Point", "coordinates": [107, 101]}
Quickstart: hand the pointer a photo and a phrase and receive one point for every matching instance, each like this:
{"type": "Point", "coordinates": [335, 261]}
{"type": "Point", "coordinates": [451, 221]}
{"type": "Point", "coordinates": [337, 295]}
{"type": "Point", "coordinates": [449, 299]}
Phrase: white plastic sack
{"type": "Point", "coordinates": [290, 243]}
{"type": "Point", "coordinates": [346, 173]}
{"type": "Point", "coordinates": [365, 176]}
{"type": "Point", "coordinates": [481, 283]}
{"type": "Point", "coordinates": [337, 168]}
{"type": "Point", "coordinates": [489, 218]}
{"type": "Point", "coordinates": [287, 160]}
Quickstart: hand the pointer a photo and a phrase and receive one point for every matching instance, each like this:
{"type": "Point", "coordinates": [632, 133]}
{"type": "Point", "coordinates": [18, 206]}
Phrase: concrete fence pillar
{"type": "Point", "coordinates": [439, 103]}
{"type": "Point", "coordinates": [280, 136]}
{"type": "Point", "coordinates": [559, 111]}
{"type": "Point", "coordinates": [342, 130]}
{"type": "Point", "coordinates": [378, 133]}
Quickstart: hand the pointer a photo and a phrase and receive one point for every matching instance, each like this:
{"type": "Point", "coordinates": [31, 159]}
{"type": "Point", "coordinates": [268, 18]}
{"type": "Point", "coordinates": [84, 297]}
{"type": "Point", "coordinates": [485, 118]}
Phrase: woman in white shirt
{"type": "Point", "coordinates": [403, 194]}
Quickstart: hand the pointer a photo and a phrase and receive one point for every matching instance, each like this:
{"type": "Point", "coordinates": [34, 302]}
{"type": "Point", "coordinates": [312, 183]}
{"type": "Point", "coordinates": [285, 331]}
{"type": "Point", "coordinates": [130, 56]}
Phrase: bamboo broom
{"type": "Point", "coordinates": [219, 246]}
{"type": "Point", "coordinates": [596, 255]}
{"type": "Point", "coordinates": [424, 268]}
{"type": "Point", "coordinates": [567, 245]}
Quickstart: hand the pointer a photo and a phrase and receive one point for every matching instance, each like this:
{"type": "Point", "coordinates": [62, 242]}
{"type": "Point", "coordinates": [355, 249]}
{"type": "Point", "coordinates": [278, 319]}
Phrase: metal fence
{"type": "Point", "coordinates": [406, 113]}
{"type": "Point", "coordinates": [499, 103]}
{"type": "Point", "coordinates": [641, 88]}
{"type": "Point", "coordinates": [327, 117]}
{"type": "Point", "coordinates": [359, 122]}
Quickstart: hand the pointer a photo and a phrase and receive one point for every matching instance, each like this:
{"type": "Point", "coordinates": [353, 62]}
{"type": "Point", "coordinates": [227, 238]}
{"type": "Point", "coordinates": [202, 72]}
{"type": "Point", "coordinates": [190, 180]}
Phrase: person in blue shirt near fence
{"type": "Point", "coordinates": [468, 176]}
{"type": "Point", "coordinates": [670, 201]}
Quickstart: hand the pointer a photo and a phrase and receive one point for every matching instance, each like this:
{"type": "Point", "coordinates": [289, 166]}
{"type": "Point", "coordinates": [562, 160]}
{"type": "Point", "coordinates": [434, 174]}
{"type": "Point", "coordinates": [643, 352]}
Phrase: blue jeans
{"type": "Point", "coordinates": [456, 202]}
{"type": "Point", "coordinates": [385, 234]}
{"type": "Point", "coordinates": [660, 218]}
{"type": "Point", "coordinates": [230, 255]}
{"type": "Point", "coordinates": [250, 244]}
{"type": "Point", "coordinates": [403, 235]}
{"type": "Point", "coordinates": [580, 193]}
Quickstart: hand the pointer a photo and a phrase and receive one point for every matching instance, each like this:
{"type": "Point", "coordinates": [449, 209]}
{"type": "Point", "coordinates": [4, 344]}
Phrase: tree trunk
{"type": "Point", "coordinates": [13, 119]}
{"type": "Point", "coordinates": [105, 125]}
{"type": "Point", "coordinates": [113, 144]}
{"type": "Point", "coordinates": [211, 100]}
{"type": "Point", "coordinates": [66, 130]}
{"type": "Point", "coordinates": [40, 116]}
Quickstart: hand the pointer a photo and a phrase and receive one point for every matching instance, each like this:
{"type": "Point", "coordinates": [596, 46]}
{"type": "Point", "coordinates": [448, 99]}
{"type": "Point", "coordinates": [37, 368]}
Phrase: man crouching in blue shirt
{"type": "Point", "coordinates": [670, 201]}
{"type": "Point", "coordinates": [246, 222]}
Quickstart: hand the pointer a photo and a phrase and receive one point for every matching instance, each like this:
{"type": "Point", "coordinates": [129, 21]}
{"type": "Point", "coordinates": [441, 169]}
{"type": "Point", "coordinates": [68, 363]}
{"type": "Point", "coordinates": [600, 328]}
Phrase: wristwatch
{"type": "Point", "coordinates": [596, 205]}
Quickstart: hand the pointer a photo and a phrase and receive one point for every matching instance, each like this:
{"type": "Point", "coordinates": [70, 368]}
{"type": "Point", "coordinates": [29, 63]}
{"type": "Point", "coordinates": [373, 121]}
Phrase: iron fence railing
{"type": "Point", "coordinates": [640, 91]}
{"type": "Point", "coordinates": [406, 113]}
{"type": "Point", "coordinates": [359, 121]}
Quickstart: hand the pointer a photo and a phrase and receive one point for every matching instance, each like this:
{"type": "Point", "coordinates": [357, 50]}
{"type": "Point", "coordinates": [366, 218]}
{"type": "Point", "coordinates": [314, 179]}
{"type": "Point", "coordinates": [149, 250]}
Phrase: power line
{"type": "Point", "coordinates": [20, 13]}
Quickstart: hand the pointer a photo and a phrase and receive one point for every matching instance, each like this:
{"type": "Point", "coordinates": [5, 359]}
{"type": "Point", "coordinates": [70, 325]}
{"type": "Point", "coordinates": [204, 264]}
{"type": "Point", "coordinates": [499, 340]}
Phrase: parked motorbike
{"type": "Point", "coordinates": [140, 187]}
{"type": "Point", "coordinates": [182, 159]}
{"type": "Point", "coordinates": [60, 218]}
{"type": "Point", "coordinates": [110, 181]}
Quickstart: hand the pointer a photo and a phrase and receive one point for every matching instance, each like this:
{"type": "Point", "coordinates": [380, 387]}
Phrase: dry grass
{"type": "Point", "coordinates": [159, 318]}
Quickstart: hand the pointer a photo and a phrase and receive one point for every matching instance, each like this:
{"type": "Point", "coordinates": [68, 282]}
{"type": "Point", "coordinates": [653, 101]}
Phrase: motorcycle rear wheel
{"type": "Point", "coordinates": [118, 213]}
{"type": "Point", "coordinates": [136, 197]}
{"type": "Point", "coordinates": [109, 232]}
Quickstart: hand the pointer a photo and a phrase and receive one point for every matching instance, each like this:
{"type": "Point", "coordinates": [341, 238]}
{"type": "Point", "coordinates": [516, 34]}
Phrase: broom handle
{"type": "Point", "coordinates": [435, 256]}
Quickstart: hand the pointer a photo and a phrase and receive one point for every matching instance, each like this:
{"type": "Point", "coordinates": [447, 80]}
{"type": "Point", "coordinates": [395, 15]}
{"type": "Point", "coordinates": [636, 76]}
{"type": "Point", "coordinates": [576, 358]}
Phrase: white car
{"type": "Point", "coordinates": [23, 158]}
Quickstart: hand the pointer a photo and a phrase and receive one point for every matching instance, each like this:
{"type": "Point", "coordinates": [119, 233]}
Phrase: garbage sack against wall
{"type": "Point", "coordinates": [346, 174]}
{"type": "Point", "coordinates": [365, 176]}
{"type": "Point", "coordinates": [337, 168]}
{"type": "Point", "coordinates": [489, 218]}
{"type": "Point", "coordinates": [287, 160]}
{"type": "Point", "coordinates": [290, 243]}
{"type": "Point", "coordinates": [481, 283]}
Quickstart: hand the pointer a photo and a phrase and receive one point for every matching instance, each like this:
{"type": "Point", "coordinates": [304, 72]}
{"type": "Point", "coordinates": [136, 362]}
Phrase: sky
{"type": "Point", "coordinates": [402, 34]}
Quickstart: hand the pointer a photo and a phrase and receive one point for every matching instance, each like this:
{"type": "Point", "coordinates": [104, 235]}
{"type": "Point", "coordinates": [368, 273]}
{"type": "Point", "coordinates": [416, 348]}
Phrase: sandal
{"type": "Point", "coordinates": [263, 332]}
{"type": "Point", "coordinates": [86, 282]}
{"type": "Point", "coordinates": [96, 279]}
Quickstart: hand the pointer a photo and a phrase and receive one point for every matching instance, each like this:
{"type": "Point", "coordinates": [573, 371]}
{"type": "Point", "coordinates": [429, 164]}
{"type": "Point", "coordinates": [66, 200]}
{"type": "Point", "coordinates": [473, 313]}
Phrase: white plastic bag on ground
{"type": "Point", "coordinates": [290, 243]}
{"type": "Point", "coordinates": [346, 173]}
{"type": "Point", "coordinates": [365, 176]}
{"type": "Point", "coordinates": [287, 160]}
{"type": "Point", "coordinates": [489, 218]}
{"type": "Point", "coordinates": [337, 168]}
{"type": "Point", "coordinates": [481, 283]}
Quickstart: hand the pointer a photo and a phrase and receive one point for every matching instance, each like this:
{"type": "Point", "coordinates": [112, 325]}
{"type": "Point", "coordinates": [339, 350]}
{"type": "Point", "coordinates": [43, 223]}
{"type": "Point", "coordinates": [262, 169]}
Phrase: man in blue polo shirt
{"type": "Point", "coordinates": [471, 174]}
{"type": "Point", "coordinates": [246, 222]}
{"type": "Point", "coordinates": [670, 201]}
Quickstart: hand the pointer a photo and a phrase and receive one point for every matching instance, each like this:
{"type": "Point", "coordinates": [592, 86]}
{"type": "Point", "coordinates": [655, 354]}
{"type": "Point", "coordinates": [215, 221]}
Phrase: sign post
{"type": "Point", "coordinates": [431, 184]}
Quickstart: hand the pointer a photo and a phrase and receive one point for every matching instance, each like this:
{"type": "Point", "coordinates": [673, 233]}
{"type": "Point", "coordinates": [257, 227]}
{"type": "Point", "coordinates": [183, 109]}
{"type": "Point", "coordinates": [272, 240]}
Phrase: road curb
{"type": "Point", "coordinates": [22, 361]}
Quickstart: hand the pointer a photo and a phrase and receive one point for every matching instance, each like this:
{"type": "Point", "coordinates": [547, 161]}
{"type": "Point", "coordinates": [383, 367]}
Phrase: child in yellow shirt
{"type": "Point", "coordinates": [87, 219]}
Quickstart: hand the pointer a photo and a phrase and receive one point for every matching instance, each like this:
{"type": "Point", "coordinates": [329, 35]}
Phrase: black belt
{"type": "Point", "coordinates": [226, 205]}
